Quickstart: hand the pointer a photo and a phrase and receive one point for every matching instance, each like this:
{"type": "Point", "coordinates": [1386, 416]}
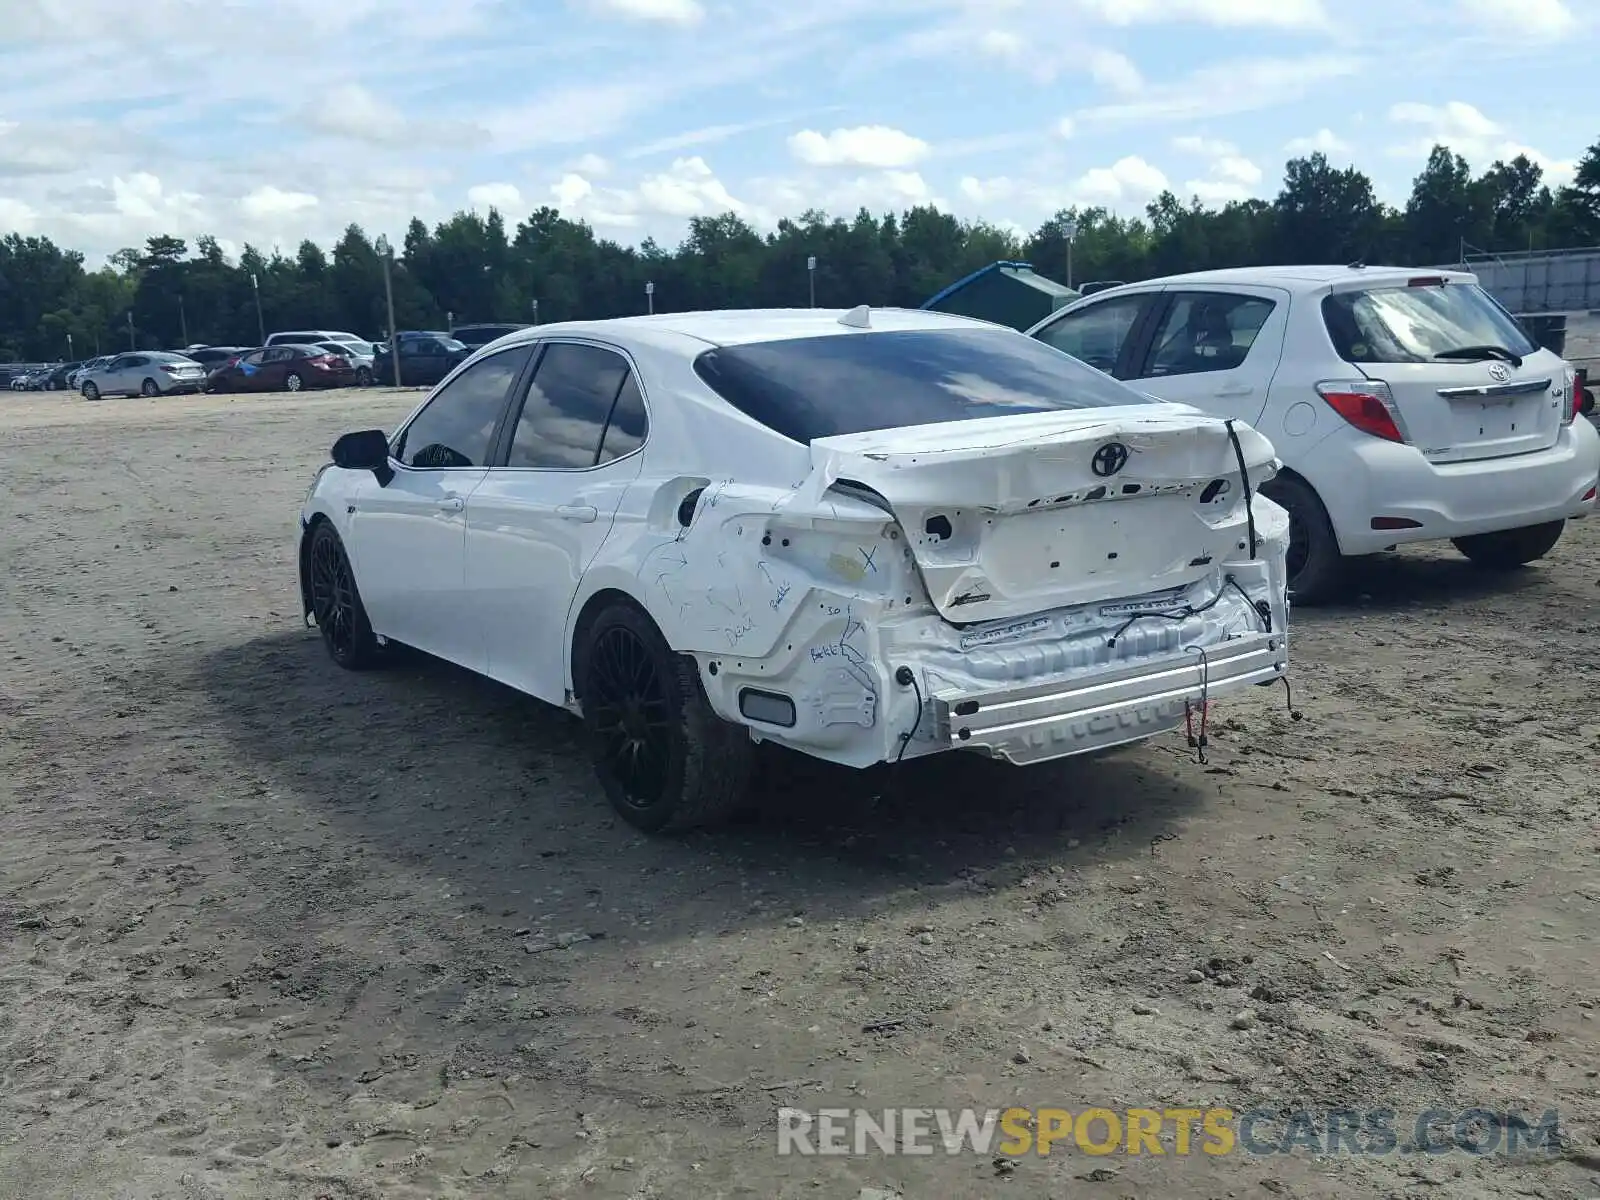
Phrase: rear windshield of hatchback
{"type": "Point", "coordinates": [1417, 324]}
{"type": "Point", "coordinates": [817, 387]}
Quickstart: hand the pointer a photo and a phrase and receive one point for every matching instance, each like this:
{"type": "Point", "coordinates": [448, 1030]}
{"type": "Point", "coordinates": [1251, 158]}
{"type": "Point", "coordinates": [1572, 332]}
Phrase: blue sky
{"type": "Point", "coordinates": [272, 120]}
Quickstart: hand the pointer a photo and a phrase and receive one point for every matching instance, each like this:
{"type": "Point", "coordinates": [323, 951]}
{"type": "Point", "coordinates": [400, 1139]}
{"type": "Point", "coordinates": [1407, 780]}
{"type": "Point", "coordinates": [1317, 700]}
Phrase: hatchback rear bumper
{"type": "Point", "coordinates": [1363, 480]}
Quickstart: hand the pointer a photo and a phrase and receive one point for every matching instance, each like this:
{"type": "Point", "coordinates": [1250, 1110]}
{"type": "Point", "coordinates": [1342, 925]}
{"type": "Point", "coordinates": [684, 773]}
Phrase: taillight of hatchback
{"type": "Point", "coordinates": [1572, 401]}
{"type": "Point", "coordinates": [1365, 403]}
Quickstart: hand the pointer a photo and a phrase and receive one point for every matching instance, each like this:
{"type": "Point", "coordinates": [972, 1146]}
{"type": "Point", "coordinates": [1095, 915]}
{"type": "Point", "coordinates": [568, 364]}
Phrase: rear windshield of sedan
{"type": "Point", "coordinates": [817, 387]}
{"type": "Point", "coordinates": [1416, 324]}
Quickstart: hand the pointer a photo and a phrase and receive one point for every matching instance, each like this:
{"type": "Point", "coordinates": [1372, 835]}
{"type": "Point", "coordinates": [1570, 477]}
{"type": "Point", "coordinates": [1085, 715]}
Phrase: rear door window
{"type": "Point", "coordinates": [569, 402]}
{"type": "Point", "coordinates": [1206, 331]}
{"type": "Point", "coordinates": [817, 387]}
{"type": "Point", "coordinates": [1419, 324]}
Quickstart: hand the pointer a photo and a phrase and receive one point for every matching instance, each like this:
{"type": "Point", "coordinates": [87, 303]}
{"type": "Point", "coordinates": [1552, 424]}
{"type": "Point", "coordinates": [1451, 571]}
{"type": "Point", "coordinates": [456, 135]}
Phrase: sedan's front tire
{"type": "Point", "coordinates": [667, 762]}
{"type": "Point", "coordinates": [336, 604]}
{"type": "Point", "coordinates": [1511, 548]}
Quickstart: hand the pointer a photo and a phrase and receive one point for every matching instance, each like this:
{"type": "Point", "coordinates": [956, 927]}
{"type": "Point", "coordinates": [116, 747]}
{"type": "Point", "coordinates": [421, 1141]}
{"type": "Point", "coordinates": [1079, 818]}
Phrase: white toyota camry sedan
{"type": "Point", "coordinates": [865, 535]}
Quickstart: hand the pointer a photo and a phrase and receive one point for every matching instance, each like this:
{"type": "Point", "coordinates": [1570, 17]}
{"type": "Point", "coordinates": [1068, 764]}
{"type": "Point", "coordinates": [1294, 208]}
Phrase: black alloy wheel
{"type": "Point", "coordinates": [336, 604]}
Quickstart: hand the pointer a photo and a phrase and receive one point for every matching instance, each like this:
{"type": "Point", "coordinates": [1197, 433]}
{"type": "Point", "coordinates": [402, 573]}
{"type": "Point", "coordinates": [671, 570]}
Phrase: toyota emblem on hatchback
{"type": "Point", "coordinates": [1499, 372]}
{"type": "Point", "coordinates": [1109, 459]}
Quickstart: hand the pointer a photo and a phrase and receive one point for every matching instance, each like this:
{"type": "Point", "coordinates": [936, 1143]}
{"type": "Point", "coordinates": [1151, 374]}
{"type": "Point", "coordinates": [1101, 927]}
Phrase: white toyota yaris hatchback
{"type": "Point", "coordinates": [1406, 405]}
{"type": "Point", "coordinates": [867, 536]}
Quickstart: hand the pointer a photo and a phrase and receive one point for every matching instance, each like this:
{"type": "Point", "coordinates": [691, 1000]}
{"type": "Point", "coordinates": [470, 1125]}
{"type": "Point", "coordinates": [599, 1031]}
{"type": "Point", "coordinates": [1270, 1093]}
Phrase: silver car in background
{"type": "Point", "coordinates": [360, 355]}
{"type": "Point", "coordinates": [143, 373]}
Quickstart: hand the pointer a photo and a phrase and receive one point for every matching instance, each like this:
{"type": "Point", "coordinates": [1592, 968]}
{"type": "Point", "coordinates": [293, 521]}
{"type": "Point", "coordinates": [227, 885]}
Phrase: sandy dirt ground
{"type": "Point", "coordinates": [270, 929]}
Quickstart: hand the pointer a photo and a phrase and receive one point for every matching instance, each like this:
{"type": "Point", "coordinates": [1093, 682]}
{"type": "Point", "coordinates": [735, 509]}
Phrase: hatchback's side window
{"type": "Point", "coordinates": [1206, 331]}
{"type": "Point", "coordinates": [457, 427]}
{"type": "Point", "coordinates": [626, 430]}
{"type": "Point", "coordinates": [1095, 334]}
{"type": "Point", "coordinates": [569, 401]}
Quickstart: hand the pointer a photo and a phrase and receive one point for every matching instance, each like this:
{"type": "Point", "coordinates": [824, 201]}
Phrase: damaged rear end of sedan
{"type": "Point", "coordinates": [990, 548]}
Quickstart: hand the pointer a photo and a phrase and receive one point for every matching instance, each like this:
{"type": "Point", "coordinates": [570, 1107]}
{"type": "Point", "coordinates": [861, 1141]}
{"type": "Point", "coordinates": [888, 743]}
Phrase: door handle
{"type": "Point", "coordinates": [577, 512]}
{"type": "Point", "coordinates": [1237, 389]}
{"type": "Point", "coordinates": [452, 504]}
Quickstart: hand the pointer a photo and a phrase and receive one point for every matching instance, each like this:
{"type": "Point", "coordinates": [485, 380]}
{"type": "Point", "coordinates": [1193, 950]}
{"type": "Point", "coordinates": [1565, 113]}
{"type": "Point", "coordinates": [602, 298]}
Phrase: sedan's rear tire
{"type": "Point", "coordinates": [1509, 549]}
{"type": "Point", "coordinates": [293, 382]}
{"type": "Point", "coordinates": [667, 762]}
{"type": "Point", "coordinates": [1316, 569]}
{"type": "Point", "coordinates": [336, 604]}
{"type": "Point", "coordinates": [149, 388]}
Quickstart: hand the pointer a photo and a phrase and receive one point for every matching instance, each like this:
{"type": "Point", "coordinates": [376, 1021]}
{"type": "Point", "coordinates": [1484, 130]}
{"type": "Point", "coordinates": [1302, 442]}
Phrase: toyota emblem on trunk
{"type": "Point", "coordinates": [1499, 372]}
{"type": "Point", "coordinates": [1109, 459]}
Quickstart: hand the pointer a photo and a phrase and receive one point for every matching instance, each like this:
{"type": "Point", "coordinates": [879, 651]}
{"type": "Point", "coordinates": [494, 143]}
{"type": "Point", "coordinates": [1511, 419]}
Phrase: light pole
{"type": "Point", "coordinates": [811, 277]}
{"type": "Point", "coordinates": [536, 310]}
{"type": "Point", "coordinates": [69, 347]}
{"type": "Point", "coordinates": [183, 323]}
{"type": "Point", "coordinates": [450, 323]}
{"type": "Point", "coordinates": [132, 342]}
{"type": "Point", "coordinates": [1070, 229]}
{"type": "Point", "coordinates": [650, 298]}
{"type": "Point", "coordinates": [261, 320]}
{"type": "Point", "coordinates": [387, 255]}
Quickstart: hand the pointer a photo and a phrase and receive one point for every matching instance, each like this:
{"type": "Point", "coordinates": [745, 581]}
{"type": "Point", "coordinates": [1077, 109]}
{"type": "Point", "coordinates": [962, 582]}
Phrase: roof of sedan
{"type": "Point", "coordinates": [733, 327]}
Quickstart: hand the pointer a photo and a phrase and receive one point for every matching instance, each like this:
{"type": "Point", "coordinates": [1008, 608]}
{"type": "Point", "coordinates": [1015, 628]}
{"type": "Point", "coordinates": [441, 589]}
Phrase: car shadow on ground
{"type": "Point", "coordinates": [1395, 581]}
{"type": "Point", "coordinates": [437, 768]}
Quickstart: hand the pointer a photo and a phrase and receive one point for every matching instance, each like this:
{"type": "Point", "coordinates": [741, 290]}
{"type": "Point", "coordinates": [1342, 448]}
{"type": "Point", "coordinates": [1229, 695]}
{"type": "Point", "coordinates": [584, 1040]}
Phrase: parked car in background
{"type": "Point", "coordinates": [212, 357]}
{"type": "Point", "coordinates": [1406, 405]}
{"type": "Point", "coordinates": [56, 378]}
{"type": "Point", "coordinates": [990, 547]}
{"type": "Point", "coordinates": [310, 337]}
{"type": "Point", "coordinates": [75, 378]}
{"type": "Point", "coordinates": [360, 355]}
{"type": "Point", "coordinates": [286, 368]}
{"type": "Point", "coordinates": [144, 373]}
{"type": "Point", "coordinates": [29, 379]}
{"type": "Point", "coordinates": [426, 357]}
{"type": "Point", "coordinates": [475, 337]}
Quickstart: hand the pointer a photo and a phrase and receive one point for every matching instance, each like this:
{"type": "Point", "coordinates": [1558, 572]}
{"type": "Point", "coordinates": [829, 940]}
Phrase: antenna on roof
{"type": "Point", "coordinates": [1358, 265]}
{"type": "Point", "coordinates": [859, 317]}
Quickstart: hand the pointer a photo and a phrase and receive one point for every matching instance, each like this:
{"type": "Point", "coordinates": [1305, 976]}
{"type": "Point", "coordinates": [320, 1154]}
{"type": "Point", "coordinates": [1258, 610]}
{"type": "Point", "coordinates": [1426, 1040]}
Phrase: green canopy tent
{"type": "Point", "coordinates": [1007, 293]}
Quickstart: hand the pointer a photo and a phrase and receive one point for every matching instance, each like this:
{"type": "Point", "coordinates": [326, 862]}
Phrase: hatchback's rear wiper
{"type": "Point", "coordinates": [1479, 353]}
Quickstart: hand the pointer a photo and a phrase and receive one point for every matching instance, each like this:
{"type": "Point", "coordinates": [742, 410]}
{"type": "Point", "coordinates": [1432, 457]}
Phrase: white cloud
{"type": "Point", "coordinates": [1544, 20]}
{"type": "Point", "coordinates": [1115, 71]}
{"type": "Point", "coordinates": [1127, 179]}
{"type": "Point", "coordinates": [269, 203]}
{"type": "Point", "coordinates": [350, 110]}
{"type": "Point", "coordinates": [1270, 14]}
{"type": "Point", "coordinates": [1203, 146]}
{"type": "Point", "coordinates": [1467, 131]}
{"type": "Point", "coordinates": [506, 197]}
{"type": "Point", "coordinates": [864, 146]}
{"type": "Point", "coordinates": [15, 216]}
{"type": "Point", "coordinates": [1002, 43]}
{"type": "Point", "coordinates": [1323, 141]}
{"type": "Point", "coordinates": [591, 164]}
{"type": "Point", "coordinates": [667, 12]}
{"type": "Point", "coordinates": [688, 189]}
{"type": "Point", "coordinates": [570, 191]}
{"type": "Point", "coordinates": [1225, 89]}
{"type": "Point", "coordinates": [1066, 127]}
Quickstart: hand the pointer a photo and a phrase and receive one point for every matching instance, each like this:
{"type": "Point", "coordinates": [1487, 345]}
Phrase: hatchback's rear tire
{"type": "Point", "coordinates": [667, 762]}
{"type": "Point", "coordinates": [1509, 549]}
{"type": "Point", "coordinates": [1316, 569]}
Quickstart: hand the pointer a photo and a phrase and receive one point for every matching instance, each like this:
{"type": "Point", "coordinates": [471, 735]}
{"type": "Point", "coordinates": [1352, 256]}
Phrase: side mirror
{"type": "Point", "coordinates": [365, 450]}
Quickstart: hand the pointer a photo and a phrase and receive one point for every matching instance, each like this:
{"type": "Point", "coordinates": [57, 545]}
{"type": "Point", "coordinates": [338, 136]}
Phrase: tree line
{"type": "Point", "coordinates": [549, 268]}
